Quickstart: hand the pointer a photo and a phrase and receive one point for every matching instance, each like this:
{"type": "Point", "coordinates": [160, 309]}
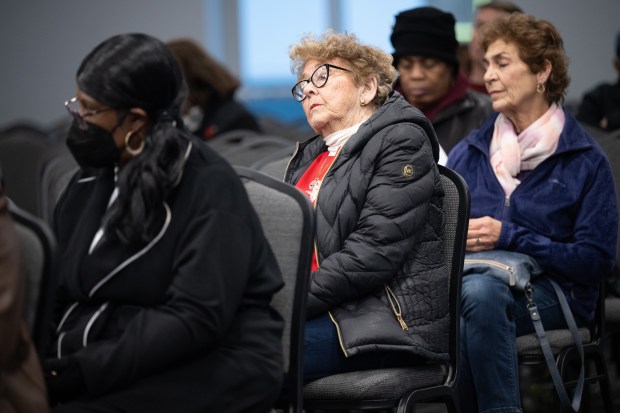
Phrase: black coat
{"type": "Point", "coordinates": [455, 122]}
{"type": "Point", "coordinates": [189, 312]}
{"type": "Point", "coordinates": [600, 107]}
{"type": "Point", "coordinates": [379, 235]}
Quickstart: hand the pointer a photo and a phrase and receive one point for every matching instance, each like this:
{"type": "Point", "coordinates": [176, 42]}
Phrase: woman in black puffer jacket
{"type": "Point", "coordinates": [378, 287]}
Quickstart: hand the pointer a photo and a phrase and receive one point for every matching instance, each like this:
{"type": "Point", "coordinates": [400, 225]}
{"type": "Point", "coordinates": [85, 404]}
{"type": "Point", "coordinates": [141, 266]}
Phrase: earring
{"type": "Point", "coordinates": [362, 102]}
{"type": "Point", "coordinates": [129, 149]}
{"type": "Point", "coordinates": [540, 88]}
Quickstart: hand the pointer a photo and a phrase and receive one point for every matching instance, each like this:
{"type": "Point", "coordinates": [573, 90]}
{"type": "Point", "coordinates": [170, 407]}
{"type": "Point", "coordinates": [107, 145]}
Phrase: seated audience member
{"type": "Point", "coordinates": [211, 108]}
{"type": "Point", "coordinates": [485, 13]}
{"type": "Point", "coordinates": [600, 107]}
{"type": "Point", "coordinates": [166, 276]}
{"type": "Point", "coordinates": [536, 178]}
{"type": "Point", "coordinates": [372, 176]}
{"type": "Point", "coordinates": [425, 54]}
{"type": "Point", "coordinates": [22, 388]}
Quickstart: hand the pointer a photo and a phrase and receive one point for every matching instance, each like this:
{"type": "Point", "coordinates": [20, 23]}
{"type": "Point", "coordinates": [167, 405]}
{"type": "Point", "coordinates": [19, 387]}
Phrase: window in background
{"type": "Point", "coordinates": [373, 24]}
{"type": "Point", "coordinates": [268, 28]}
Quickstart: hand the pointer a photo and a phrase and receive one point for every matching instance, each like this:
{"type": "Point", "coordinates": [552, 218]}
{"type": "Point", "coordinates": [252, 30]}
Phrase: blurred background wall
{"type": "Point", "coordinates": [42, 42]}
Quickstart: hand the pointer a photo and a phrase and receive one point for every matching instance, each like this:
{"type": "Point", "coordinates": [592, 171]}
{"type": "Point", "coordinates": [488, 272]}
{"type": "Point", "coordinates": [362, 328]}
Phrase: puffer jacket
{"type": "Point", "coordinates": [379, 236]}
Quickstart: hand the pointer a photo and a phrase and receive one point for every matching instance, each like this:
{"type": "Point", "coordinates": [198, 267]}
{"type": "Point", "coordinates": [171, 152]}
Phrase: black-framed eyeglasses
{"type": "Point", "coordinates": [318, 78]}
{"type": "Point", "coordinates": [75, 109]}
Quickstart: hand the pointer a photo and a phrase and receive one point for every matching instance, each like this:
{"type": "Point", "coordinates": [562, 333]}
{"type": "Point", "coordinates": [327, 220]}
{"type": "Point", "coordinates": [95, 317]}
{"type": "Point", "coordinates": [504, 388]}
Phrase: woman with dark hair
{"type": "Point", "coordinates": [166, 277]}
{"type": "Point", "coordinates": [210, 108]}
{"type": "Point", "coordinates": [541, 187]}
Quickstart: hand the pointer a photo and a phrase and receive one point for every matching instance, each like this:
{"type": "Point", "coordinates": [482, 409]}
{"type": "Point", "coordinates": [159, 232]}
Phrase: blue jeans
{"type": "Point", "coordinates": [324, 357]}
{"type": "Point", "coordinates": [492, 316]}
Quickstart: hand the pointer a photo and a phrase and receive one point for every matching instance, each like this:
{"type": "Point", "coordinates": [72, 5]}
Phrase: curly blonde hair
{"type": "Point", "coordinates": [363, 60]}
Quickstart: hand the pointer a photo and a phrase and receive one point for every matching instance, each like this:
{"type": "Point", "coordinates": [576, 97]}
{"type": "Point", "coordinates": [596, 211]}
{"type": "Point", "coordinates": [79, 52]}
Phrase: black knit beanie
{"type": "Point", "coordinates": [427, 32]}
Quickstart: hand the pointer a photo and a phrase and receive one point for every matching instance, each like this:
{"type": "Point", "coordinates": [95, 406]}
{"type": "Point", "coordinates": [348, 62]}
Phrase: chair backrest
{"type": "Point", "coordinates": [230, 140]}
{"type": "Point", "coordinates": [610, 143]}
{"type": "Point", "coordinates": [22, 150]}
{"type": "Point", "coordinates": [275, 163]}
{"type": "Point", "coordinates": [287, 218]}
{"type": "Point", "coordinates": [256, 147]}
{"type": "Point", "coordinates": [456, 212]}
{"type": "Point", "coordinates": [38, 245]}
{"type": "Point", "coordinates": [58, 169]}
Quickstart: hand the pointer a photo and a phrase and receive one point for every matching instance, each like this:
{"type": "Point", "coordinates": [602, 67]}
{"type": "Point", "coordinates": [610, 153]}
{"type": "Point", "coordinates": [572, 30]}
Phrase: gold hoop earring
{"type": "Point", "coordinates": [129, 149]}
{"type": "Point", "coordinates": [362, 102]}
{"type": "Point", "coordinates": [540, 88]}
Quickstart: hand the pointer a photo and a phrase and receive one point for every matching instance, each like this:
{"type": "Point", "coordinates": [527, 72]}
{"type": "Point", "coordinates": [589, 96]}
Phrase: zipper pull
{"type": "Point", "coordinates": [403, 325]}
{"type": "Point", "coordinates": [513, 278]}
{"type": "Point", "coordinates": [507, 201]}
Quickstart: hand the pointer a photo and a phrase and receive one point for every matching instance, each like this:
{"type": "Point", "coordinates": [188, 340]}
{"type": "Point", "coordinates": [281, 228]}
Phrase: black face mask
{"type": "Point", "coordinates": [92, 147]}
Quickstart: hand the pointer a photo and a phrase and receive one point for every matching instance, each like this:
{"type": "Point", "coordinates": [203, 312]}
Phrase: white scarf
{"type": "Point", "coordinates": [337, 139]}
{"type": "Point", "coordinates": [512, 153]}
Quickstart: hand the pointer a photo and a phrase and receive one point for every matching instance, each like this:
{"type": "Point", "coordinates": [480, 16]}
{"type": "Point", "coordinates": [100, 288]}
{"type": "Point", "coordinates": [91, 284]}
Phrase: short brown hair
{"type": "Point", "coordinates": [206, 78]}
{"type": "Point", "coordinates": [537, 41]}
{"type": "Point", "coordinates": [364, 61]}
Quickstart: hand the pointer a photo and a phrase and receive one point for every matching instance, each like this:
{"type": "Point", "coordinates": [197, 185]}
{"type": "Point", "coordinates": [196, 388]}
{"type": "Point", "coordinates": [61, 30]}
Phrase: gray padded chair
{"type": "Point", "coordinates": [287, 218]}
{"type": "Point", "coordinates": [38, 247]}
{"type": "Point", "coordinates": [275, 163]}
{"type": "Point", "coordinates": [567, 357]}
{"type": "Point", "coordinates": [405, 387]}
{"type": "Point", "coordinates": [22, 153]}
{"type": "Point", "coordinates": [610, 143]}
{"type": "Point", "coordinates": [57, 172]}
{"type": "Point", "coordinates": [256, 147]}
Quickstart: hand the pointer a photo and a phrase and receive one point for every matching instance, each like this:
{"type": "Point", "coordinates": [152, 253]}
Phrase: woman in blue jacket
{"type": "Point", "coordinates": [539, 186]}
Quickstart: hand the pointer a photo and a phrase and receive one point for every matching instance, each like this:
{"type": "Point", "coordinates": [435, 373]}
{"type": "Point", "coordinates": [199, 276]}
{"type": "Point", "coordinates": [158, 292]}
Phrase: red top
{"type": "Point", "coordinates": [310, 183]}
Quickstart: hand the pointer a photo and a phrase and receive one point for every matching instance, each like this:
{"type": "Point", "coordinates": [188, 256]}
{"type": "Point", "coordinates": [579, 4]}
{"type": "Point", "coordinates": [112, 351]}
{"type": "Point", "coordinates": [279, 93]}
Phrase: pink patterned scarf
{"type": "Point", "coordinates": [512, 153]}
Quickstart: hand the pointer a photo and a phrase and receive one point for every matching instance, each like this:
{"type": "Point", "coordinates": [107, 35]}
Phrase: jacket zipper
{"type": "Point", "coordinates": [331, 316]}
{"type": "Point", "coordinates": [396, 308]}
{"type": "Point", "coordinates": [501, 265]}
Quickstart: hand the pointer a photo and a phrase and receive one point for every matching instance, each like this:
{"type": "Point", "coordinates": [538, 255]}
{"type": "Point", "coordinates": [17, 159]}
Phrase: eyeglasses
{"type": "Point", "coordinates": [75, 109]}
{"type": "Point", "coordinates": [318, 78]}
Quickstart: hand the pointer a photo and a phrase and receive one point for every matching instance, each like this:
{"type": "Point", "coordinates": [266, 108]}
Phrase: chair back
{"type": "Point", "coordinates": [456, 214]}
{"type": "Point", "coordinates": [38, 245]}
{"type": "Point", "coordinates": [275, 163]}
{"type": "Point", "coordinates": [256, 147]}
{"type": "Point", "coordinates": [57, 172]}
{"type": "Point", "coordinates": [287, 218]}
{"type": "Point", "coordinates": [22, 150]}
{"type": "Point", "coordinates": [610, 143]}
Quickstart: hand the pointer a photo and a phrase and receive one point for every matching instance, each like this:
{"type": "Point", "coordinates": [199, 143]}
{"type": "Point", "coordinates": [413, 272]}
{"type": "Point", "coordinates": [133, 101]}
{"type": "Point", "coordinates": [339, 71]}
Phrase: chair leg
{"type": "Point", "coordinates": [565, 362]}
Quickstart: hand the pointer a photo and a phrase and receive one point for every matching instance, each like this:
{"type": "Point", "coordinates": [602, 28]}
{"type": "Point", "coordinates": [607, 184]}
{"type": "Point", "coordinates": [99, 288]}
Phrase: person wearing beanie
{"type": "Point", "coordinates": [600, 107]}
{"type": "Point", "coordinates": [425, 55]}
